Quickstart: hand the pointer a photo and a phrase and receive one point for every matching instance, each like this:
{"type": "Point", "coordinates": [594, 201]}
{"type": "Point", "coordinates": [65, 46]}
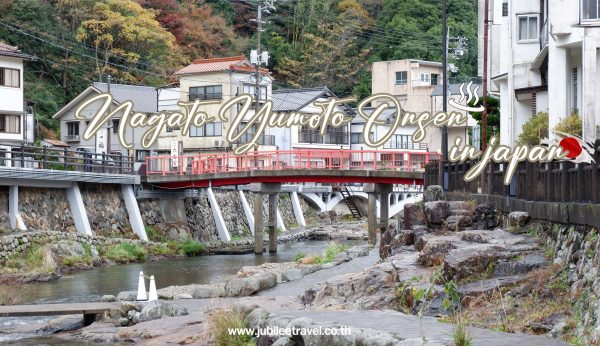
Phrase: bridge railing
{"type": "Point", "coordinates": [405, 161]}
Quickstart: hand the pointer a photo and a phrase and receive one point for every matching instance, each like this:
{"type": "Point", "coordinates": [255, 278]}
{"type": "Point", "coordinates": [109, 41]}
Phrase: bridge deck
{"type": "Point", "coordinates": [57, 309]}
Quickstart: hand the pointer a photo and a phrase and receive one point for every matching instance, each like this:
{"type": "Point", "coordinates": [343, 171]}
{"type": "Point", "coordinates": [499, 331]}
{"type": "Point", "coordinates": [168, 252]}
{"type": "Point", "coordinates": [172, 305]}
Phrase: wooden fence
{"type": "Point", "coordinates": [562, 181]}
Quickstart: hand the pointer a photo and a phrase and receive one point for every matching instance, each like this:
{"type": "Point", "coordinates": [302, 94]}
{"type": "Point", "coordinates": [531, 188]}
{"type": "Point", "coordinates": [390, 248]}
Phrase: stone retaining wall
{"type": "Point", "coordinates": [106, 211]}
{"type": "Point", "coordinates": [46, 209]}
{"type": "Point", "coordinates": [4, 219]}
{"type": "Point", "coordinates": [14, 244]}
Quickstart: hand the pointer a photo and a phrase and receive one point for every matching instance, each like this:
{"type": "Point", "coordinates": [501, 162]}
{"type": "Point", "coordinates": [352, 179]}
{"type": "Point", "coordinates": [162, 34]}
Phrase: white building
{"type": "Point", "coordinates": [16, 118]}
{"type": "Point", "coordinates": [303, 137]}
{"type": "Point", "coordinates": [543, 56]}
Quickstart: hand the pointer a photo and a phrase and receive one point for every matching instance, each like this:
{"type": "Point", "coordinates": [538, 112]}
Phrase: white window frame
{"type": "Point", "coordinates": [537, 28]}
{"type": "Point", "coordinates": [425, 78]}
{"type": "Point", "coordinates": [581, 7]}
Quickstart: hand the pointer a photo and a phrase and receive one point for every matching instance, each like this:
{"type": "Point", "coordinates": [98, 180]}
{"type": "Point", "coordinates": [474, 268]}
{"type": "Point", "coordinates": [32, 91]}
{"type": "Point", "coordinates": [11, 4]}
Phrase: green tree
{"type": "Point", "coordinates": [534, 130]}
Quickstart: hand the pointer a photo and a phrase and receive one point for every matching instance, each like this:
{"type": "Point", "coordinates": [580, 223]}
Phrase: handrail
{"type": "Point", "coordinates": [290, 159]}
{"type": "Point", "coordinates": [63, 159]}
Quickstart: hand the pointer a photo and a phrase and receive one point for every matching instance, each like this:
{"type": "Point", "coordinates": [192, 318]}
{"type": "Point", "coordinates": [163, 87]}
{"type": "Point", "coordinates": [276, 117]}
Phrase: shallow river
{"type": "Point", "coordinates": [90, 285]}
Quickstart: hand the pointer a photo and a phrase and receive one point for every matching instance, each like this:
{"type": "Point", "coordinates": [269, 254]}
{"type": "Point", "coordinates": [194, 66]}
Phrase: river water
{"type": "Point", "coordinates": [90, 285]}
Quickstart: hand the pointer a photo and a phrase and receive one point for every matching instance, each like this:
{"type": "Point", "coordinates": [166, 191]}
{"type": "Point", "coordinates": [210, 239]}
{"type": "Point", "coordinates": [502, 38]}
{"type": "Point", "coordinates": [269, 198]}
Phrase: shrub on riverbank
{"type": "Point", "coordinates": [222, 321]}
{"type": "Point", "coordinates": [36, 259]}
{"type": "Point", "coordinates": [191, 248]}
{"type": "Point", "coordinates": [328, 255]}
{"type": "Point", "coordinates": [125, 253]}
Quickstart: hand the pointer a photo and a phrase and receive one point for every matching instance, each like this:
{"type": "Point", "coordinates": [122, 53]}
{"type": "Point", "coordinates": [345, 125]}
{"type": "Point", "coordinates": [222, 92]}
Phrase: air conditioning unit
{"type": "Point", "coordinates": [219, 144]}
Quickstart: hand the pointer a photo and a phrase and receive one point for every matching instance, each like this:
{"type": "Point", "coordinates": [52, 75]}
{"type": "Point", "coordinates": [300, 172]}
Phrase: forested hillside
{"type": "Point", "coordinates": [311, 42]}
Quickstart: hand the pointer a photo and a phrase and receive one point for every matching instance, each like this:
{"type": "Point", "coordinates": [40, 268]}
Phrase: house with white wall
{"type": "Point", "coordinates": [105, 141]}
{"type": "Point", "coordinates": [219, 79]}
{"type": "Point", "coordinates": [543, 56]}
{"type": "Point", "coordinates": [303, 137]}
{"type": "Point", "coordinates": [16, 118]}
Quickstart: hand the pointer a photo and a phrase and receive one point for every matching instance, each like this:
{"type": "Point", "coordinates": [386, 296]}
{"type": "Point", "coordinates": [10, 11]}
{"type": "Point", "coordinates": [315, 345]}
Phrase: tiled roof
{"type": "Point", "coordinates": [234, 63]}
{"type": "Point", "coordinates": [8, 50]}
{"type": "Point", "coordinates": [296, 99]}
{"type": "Point", "coordinates": [145, 98]}
{"type": "Point", "coordinates": [56, 143]}
{"type": "Point", "coordinates": [388, 114]}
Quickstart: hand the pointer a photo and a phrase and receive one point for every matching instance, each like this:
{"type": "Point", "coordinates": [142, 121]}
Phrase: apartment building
{"type": "Point", "coordinates": [216, 79]}
{"type": "Point", "coordinates": [16, 113]}
{"type": "Point", "coordinates": [543, 56]}
{"type": "Point", "coordinates": [418, 86]}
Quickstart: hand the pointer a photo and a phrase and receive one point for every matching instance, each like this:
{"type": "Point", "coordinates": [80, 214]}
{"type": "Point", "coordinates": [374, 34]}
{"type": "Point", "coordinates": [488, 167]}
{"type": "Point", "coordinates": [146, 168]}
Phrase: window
{"type": "Point", "coordinates": [575, 95]}
{"type": "Point", "coordinates": [73, 129]}
{"type": "Point", "coordinates": [425, 78]}
{"type": "Point", "coordinates": [401, 77]}
{"type": "Point", "coordinates": [590, 9]}
{"type": "Point", "coordinates": [505, 8]}
{"type": "Point", "coordinates": [207, 130]}
{"type": "Point", "coordinates": [528, 28]}
{"type": "Point", "coordinates": [435, 79]}
{"type": "Point", "coordinates": [210, 92]}
{"type": "Point", "coordinates": [10, 77]}
{"type": "Point", "coordinates": [357, 137]}
{"type": "Point", "coordinates": [140, 155]}
{"type": "Point", "coordinates": [250, 89]}
{"type": "Point", "coordinates": [115, 126]}
{"type": "Point", "coordinates": [10, 123]}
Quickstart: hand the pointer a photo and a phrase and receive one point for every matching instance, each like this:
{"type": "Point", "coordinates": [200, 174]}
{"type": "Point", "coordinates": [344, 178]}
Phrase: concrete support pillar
{"type": "Point", "coordinates": [133, 210]}
{"type": "Point", "coordinates": [82, 224]}
{"type": "Point", "coordinates": [273, 223]}
{"type": "Point", "coordinates": [216, 211]}
{"type": "Point", "coordinates": [16, 222]}
{"type": "Point", "coordinates": [558, 85]}
{"type": "Point", "coordinates": [372, 218]}
{"type": "Point", "coordinates": [297, 209]}
{"type": "Point", "coordinates": [247, 211]}
{"type": "Point", "coordinates": [258, 224]}
{"type": "Point", "coordinates": [280, 223]}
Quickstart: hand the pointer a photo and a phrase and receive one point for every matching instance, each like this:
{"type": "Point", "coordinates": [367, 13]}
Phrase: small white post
{"type": "Point", "coordinates": [141, 295]}
{"type": "Point", "coordinates": [152, 295]}
{"type": "Point", "coordinates": [297, 209]}
{"type": "Point", "coordinates": [280, 223]}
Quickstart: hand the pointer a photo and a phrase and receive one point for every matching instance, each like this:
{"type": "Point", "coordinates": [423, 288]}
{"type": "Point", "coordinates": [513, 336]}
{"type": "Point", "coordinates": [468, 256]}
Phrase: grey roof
{"type": "Point", "coordinates": [12, 51]}
{"type": "Point", "coordinates": [144, 98]}
{"type": "Point", "coordinates": [388, 114]}
{"type": "Point", "coordinates": [296, 99]}
{"type": "Point", "coordinates": [455, 89]}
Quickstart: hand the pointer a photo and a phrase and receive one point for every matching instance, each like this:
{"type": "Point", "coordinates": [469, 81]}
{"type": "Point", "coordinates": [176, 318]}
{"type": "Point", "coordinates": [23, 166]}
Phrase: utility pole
{"type": "Point", "coordinates": [445, 77]}
{"type": "Point", "coordinates": [485, 73]}
{"type": "Point", "coordinates": [108, 81]}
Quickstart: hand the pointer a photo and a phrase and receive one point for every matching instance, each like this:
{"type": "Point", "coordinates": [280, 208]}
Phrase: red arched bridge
{"type": "Point", "coordinates": [288, 166]}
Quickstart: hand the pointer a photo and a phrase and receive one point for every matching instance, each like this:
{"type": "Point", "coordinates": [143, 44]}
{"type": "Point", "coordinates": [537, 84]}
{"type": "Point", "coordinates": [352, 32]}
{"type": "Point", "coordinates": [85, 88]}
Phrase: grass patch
{"type": "Point", "coordinates": [154, 235]}
{"type": "Point", "coordinates": [191, 248]}
{"type": "Point", "coordinates": [299, 256]}
{"type": "Point", "coordinates": [125, 253]}
{"type": "Point", "coordinates": [221, 321]}
{"type": "Point", "coordinates": [460, 331]}
{"type": "Point", "coordinates": [327, 256]}
{"type": "Point", "coordinates": [33, 260]}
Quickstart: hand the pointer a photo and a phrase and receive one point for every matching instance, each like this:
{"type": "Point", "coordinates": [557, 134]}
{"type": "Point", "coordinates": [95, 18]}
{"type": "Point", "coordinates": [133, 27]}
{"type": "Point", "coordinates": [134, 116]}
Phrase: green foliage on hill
{"type": "Point", "coordinates": [311, 42]}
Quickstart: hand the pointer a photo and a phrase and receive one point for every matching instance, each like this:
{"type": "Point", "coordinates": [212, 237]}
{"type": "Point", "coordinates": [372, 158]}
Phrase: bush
{"type": "Point", "coordinates": [534, 130]}
{"type": "Point", "coordinates": [221, 321]}
{"type": "Point", "coordinates": [299, 255]}
{"type": "Point", "coordinates": [192, 248]}
{"type": "Point", "coordinates": [570, 125]}
{"type": "Point", "coordinates": [126, 253]}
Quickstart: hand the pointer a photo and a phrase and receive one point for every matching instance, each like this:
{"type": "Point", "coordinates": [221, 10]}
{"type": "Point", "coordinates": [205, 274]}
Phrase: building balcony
{"type": "Point", "coordinates": [314, 137]}
{"type": "Point", "coordinates": [262, 140]}
{"type": "Point", "coordinates": [72, 138]}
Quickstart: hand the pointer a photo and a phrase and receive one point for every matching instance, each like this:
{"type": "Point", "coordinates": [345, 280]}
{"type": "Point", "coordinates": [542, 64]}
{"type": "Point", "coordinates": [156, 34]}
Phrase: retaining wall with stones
{"type": "Point", "coordinates": [106, 211]}
{"type": "Point", "coordinates": [45, 209]}
{"type": "Point", "coordinates": [4, 219]}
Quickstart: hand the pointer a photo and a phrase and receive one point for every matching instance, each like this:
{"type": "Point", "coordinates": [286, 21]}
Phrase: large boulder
{"type": "Point", "coordinates": [208, 291]}
{"type": "Point", "coordinates": [242, 287]}
{"type": "Point", "coordinates": [458, 222]}
{"type": "Point", "coordinates": [413, 215]}
{"type": "Point", "coordinates": [434, 193]}
{"type": "Point", "coordinates": [435, 251]}
{"type": "Point", "coordinates": [157, 309]}
{"type": "Point", "coordinates": [518, 218]}
{"type": "Point", "coordinates": [476, 260]}
{"type": "Point", "coordinates": [65, 248]}
{"type": "Point", "coordinates": [436, 212]}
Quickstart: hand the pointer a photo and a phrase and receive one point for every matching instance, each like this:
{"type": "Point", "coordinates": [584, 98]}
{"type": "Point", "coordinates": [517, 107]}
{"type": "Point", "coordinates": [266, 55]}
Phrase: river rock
{"type": "Point", "coordinates": [341, 257]}
{"type": "Point", "coordinates": [127, 296]}
{"type": "Point", "coordinates": [413, 215]}
{"type": "Point", "coordinates": [518, 218]}
{"type": "Point", "coordinates": [434, 252]}
{"type": "Point", "coordinates": [126, 307]}
{"type": "Point", "coordinates": [242, 287]}
{"type": "Point", "coordinates": [434, 193]}
{"type": "Point", "coordinates": [256, 317]}
{"type": "Point", "coordinates": [158, 309]}
{"type": "Point", "coordinates": [123, 321]}
{"type": "Point", "coordinates": [108, 298]}
{"type": "Point", "coordinates": [283, 341]}
{"type": "Point", "coordinates": [208, 291]}
{"type": "Point", "coordinates": [472, 260]}
{"type": "Point", "coordinates": [65, 248]}
{"type": "Point", "coordinates": [358, 251]}
{"type": "Point", "coordinates": [291, 275]}
{"type": "Point", "coordinates": [436, 212]}
{"type": "Point", "coordinates": [182, 296]}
